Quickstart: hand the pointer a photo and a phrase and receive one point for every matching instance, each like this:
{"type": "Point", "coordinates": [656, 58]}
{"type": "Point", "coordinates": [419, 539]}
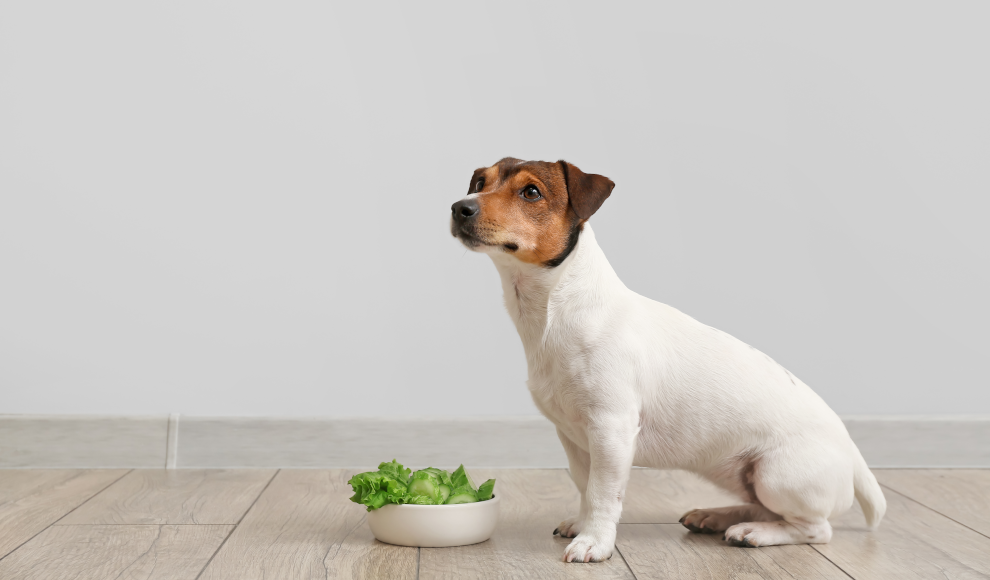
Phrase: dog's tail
{"type": "Point", "coordinates": [868, 492]}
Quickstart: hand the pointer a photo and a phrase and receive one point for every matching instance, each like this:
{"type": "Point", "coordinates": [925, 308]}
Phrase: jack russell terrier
{"type": "Point", "coordinates": [629, 381]}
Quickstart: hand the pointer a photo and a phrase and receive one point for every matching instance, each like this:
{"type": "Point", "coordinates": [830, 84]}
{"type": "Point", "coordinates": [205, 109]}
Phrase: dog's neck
{"type": "Point", "coordinates": [535, 295]}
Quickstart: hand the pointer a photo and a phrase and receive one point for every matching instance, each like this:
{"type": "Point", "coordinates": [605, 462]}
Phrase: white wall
{"type": "Point", "coordinates": [241, 208]}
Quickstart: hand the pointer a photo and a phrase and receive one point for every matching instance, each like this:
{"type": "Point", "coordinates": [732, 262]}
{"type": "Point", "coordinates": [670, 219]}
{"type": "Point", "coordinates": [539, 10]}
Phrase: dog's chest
{"type": "Point", "coordinates": [557, 391]}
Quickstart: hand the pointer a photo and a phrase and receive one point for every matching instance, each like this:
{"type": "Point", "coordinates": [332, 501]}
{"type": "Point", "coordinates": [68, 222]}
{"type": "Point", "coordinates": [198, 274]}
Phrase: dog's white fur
{"type": "Point", "coordinates": [629, 381]}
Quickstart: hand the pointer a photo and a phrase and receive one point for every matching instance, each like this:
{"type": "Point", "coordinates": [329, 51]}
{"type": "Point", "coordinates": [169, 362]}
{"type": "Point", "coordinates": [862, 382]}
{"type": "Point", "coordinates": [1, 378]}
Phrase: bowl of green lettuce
{"type": "Point", "coordinates": [428, 508]}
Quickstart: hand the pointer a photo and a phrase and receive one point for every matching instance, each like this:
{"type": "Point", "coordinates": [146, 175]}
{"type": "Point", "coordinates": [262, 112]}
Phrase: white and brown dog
{"type": "Point", "coordinates": [629, 381]}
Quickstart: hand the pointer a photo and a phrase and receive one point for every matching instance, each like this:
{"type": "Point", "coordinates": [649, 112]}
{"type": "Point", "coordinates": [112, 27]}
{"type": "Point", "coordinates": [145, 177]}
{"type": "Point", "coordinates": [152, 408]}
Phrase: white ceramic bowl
{"type": "Point", "coordinates": [435, 526]}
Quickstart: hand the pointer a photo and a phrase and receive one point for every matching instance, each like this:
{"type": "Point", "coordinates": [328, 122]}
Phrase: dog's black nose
{"type": "Point", "coordinates": [465, 209]}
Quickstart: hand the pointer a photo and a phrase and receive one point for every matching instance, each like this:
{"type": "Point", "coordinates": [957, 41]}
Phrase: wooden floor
{"type": "Point", "coordinates": [71, 524]}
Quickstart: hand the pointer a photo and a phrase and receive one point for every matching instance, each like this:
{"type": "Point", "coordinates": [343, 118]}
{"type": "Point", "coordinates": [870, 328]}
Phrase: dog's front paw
{"type": "Point", "coordinates": [570, 527]}
{"type": "Point", "coordinates": [587, 547]}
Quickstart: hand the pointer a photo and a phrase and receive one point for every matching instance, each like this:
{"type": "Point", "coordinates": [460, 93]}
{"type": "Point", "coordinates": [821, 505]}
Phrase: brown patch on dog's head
{"type": "Point", "coordinates": [533, 210]}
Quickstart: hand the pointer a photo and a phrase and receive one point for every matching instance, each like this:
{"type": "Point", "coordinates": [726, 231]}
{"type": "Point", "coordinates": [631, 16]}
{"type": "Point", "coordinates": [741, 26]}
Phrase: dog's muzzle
{"type": "Point", "coordinates": [462, 220]}
{"type": "Point", "coordinates": [464, 210]}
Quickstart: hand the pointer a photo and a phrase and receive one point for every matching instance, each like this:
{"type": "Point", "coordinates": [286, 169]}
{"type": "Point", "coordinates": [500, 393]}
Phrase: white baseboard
{"type": "Point", "coordinates": [189, 441]}
{"type": "Point", "coordinates": [317, 442]}
{"type": "Point", "coordinates": [922, 441]}
{"type": "Point", "coordinates": [82, 441]}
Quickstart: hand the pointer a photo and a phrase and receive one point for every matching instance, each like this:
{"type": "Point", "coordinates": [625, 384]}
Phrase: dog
{"type": "Point", "coordinates": [629, 381]}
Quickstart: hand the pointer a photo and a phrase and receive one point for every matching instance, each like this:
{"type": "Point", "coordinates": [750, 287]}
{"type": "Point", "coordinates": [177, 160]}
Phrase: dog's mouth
{"type": "Point", "coordinates": [472, 240]}
{"type": "Point", "coordinates": [469, 239]}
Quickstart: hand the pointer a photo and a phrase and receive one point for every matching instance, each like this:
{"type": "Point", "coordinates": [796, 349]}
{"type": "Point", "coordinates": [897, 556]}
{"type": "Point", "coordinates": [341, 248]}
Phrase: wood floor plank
{"type": "Point", "coordinates": [961, 494]}
{"type": "Point", "coordinates": [305, 527]}
{"type": "Point", "coordinates": [175, 496]}
{"type": "Point", "coordinates": [913, 541]}
{"type": "Point", "coordinates": [33, 499]}
{"type": "Point", "coordinates": [120, 552]}
{"type": "Point", "coordinates": [670, 551]}
{"type": "Point", "coordinates": [662, 496]}
{"type": "Point", "coordinates": [533, 503]}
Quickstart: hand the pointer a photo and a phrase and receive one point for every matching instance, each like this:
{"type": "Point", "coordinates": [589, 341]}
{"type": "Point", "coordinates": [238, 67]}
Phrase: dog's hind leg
{"type": "Point", "coordinates": [717, 520]}
{"type": "Point", "coordinates": [805, 484]}
{"type": "Point", "coordinates": [579, 462]}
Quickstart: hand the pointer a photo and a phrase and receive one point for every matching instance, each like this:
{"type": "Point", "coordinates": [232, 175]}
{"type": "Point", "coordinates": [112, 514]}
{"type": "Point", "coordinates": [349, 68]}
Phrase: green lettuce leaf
{"type": "Point", "coordinates": [486, 489]}
{"type": "Point", "coordinates": [396, 493]}
{"type": "Point", "coordinates": [395, 470]}
{"type": "Point", "coordinates": [461, 478]}
{"type": "Point", "coordinates": [371, 489]}
{"type": "Point", "coordinates": [442, 475]}
{"type": "Point", "coordinates": [395, 484]}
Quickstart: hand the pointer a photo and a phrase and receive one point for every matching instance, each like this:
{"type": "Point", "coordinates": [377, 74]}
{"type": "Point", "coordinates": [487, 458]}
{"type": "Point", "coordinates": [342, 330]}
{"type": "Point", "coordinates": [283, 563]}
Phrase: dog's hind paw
{"type": "Point", "coordinates": [705, 521]}
{"type": "Point", "coordinates": [569, 527]}
{"type": "Point", "coordinates": [758, 534]}
{"type": "Point", "coordinates": [589, 548]}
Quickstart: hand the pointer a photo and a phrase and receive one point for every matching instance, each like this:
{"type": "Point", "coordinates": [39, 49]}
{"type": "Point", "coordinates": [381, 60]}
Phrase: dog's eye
{"type": "Point", "coordinates": [531, 193]}
{"type": "Point", "coordinates": [480, 185]}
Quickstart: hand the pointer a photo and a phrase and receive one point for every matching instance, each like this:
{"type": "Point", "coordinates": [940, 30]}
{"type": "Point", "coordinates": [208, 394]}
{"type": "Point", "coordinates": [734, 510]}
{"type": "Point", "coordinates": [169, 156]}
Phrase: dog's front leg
{"type": "Point", "coordinates": [612, 445]}
{"type": "Point", "coordinates": [579, 462]}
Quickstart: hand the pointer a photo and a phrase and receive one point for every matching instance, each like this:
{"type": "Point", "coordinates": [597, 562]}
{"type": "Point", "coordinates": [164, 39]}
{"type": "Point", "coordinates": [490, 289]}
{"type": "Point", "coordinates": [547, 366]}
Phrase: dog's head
{"type": "Point", "coordinates": [532, 210]}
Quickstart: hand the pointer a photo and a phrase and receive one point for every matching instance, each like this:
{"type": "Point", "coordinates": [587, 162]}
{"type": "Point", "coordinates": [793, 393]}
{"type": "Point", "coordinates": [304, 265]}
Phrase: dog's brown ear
{"type": "Point", "coordinates": [586, 191]}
